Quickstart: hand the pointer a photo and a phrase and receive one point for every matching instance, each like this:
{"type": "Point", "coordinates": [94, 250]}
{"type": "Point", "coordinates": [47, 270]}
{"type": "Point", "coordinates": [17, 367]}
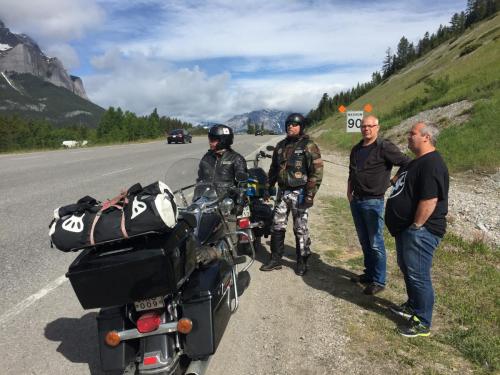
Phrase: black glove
{"type": "Point", "coordinates": [307, 203]}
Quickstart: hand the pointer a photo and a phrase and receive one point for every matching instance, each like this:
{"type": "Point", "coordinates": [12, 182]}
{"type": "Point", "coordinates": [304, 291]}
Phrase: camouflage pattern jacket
{"type": "Point", "coordinates": [296, 164]}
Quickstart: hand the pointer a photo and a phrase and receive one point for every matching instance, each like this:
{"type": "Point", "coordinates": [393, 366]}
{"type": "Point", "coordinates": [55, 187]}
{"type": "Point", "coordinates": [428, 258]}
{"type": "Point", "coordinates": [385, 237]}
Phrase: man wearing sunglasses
{"type": "Point", "coordinates": [298, 169]}
{"type": "Point", "coordinates": [370, 166]}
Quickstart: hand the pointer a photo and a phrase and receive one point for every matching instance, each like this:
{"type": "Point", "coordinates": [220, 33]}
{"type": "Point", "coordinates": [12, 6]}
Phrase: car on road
{"type": "Point", "coordinates": [179, 136]}
{"type": "Point", "coordinates": [259, 132]}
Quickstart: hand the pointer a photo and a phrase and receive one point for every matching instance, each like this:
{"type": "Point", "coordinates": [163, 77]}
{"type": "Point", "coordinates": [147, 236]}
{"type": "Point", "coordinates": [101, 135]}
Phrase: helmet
{"type": "Point", "coordinates": [296, 118]}
{"type": "Point", "coordinates": [224, 134]}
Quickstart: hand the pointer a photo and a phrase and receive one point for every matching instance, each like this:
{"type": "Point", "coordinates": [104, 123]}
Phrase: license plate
{"type": "Point", "coordinates": [149, 304]}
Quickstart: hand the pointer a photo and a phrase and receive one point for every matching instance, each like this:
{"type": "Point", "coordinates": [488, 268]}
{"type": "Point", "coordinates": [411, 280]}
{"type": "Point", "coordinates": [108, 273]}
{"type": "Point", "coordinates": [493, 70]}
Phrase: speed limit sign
{"type": "Point", "coordinates": [354, 119]}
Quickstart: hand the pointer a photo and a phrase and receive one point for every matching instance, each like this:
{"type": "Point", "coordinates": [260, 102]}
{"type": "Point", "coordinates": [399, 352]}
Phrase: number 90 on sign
{"type": "Point", "coordinates": [353, 121]}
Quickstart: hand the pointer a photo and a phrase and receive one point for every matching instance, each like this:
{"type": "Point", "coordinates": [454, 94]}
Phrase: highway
{"type": "Point", "coordinates": [44, 329]}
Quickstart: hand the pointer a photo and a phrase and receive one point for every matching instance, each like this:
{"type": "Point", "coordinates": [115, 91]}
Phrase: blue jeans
{"type": "Point", "coordinates": [368, 216]}
{"type": "Point", "coordinates": [415, 249]}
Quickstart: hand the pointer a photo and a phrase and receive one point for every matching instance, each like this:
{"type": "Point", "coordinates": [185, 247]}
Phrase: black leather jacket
{"type": "Point", "coordinates": [221, 169]}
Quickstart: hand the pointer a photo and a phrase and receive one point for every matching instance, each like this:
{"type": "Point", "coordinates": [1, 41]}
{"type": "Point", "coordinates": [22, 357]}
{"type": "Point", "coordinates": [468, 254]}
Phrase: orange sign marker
{"type": "Point", "coordinates": [368, 107]}
{"type": "Point", "coordinates": [342, 109]}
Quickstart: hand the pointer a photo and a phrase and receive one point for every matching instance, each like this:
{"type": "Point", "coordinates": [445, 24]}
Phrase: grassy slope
{"type": "Point", "coordinates": [466, 323]}
{"type": "Point", "coordinates": [474, 76]}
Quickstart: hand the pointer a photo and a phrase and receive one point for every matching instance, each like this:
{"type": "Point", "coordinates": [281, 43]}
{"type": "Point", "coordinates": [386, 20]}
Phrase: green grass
{"type": "Point", "coordinates": [467, 311]}
{"type": "Point", "coordinates": [439, 78]}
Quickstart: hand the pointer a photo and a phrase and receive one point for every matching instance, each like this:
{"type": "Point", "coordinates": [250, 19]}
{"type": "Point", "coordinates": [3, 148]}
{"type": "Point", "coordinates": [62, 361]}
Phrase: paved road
{"type": "Point", "coordinates": [44, 329]}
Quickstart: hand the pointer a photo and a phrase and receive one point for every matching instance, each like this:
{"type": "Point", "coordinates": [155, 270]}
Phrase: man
{"type": "Point", "coordinates": [297, 167]}
{"type": "Point", "coordinates": [416, 216]}
{"type": "Point", "coordinates": [221, 164]}
{"type": "Point", "coordinates": [370, 166]}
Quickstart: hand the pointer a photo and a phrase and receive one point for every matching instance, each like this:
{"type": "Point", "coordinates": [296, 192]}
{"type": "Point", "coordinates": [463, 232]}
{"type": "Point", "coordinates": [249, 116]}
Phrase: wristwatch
{"type": "Point", "coordinates": [415, 226]}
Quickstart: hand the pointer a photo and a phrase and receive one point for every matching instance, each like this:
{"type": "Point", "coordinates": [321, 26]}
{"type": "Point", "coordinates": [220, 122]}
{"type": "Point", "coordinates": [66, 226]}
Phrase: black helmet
{"type": "Point", "coordinates": [296, 118]}
{"type": "Point", "coordinates": [224, 134]}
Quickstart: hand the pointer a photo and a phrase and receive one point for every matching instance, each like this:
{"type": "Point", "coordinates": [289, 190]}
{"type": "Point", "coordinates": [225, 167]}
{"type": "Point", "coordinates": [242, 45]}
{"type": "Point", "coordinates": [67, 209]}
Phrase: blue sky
{"type": "Point", "coordinates": [209, 60]}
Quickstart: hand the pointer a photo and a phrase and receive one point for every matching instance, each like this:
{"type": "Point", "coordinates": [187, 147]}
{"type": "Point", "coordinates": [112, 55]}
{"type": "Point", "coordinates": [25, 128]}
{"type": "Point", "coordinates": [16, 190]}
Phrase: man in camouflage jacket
{"type": "Point", "coordinates": [298, 169]}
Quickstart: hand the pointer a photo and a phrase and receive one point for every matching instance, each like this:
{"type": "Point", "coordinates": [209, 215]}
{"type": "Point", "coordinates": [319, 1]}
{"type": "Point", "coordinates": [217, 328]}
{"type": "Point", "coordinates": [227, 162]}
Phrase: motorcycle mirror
{"type": "Point", "coordinates": [270, 148]}
{"type": "Point", "coordinates": [241, 176]}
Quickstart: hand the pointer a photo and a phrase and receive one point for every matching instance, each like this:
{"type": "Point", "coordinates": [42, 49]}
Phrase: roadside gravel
{"type": "Point", "coordinates": [291, 325]}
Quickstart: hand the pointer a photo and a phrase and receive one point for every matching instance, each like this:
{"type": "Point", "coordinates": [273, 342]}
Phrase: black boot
{"type": "Point", "coordinates": [277, 250]}
{"type": "Point", "coordinates": [301, 266]}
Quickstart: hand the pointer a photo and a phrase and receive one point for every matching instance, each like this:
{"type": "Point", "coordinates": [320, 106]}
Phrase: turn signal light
{"type": "Point", "coordinates": [112, 338]}
{"type": "Point", "coordinates": [148, 322]}
{"type": "Point", "coordinates": [244, 223]}
{"type": "Point", "coordinates": [184, 325]}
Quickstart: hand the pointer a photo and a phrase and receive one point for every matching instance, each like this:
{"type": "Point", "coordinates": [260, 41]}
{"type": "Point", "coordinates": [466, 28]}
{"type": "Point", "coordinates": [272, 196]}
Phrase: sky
{"type": "Point", "coordinates": [210, 60]}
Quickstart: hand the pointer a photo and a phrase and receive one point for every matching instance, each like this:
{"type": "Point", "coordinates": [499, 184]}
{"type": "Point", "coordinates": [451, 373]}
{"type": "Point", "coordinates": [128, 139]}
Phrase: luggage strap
{"type": "Point", "coordinates": [119, 202]}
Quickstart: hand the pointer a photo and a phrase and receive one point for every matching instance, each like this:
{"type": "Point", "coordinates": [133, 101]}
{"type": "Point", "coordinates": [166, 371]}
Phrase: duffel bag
{"type": "Point", "coordinates": [133, 212]}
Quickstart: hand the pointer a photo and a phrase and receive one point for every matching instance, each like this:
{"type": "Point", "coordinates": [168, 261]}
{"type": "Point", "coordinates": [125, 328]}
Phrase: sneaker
{"type": "Point", "coordinates": [363, 279]}
{"type": "Point", "coordinates": [373, 288]}
{"type": "Point", "coordinates": [403, 310]}
{"type": "Point", "coordinates": [414, 328]}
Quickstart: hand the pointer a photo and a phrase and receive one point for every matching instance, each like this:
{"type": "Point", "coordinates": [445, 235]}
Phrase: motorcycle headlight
{"type": "Point", "coordinates": [226, 206]}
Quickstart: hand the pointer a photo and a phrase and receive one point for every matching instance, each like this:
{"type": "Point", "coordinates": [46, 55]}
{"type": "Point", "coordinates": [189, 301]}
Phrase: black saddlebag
{"type": "Point", "coordinates": [206, 303]}
{"type": "Point", "coordinates": [115, 358]}
{"type": "Point", "coordinates": [139, 268]}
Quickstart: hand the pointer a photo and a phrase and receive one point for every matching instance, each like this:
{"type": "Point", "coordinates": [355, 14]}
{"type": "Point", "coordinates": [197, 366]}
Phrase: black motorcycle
{"type": "Point", "coordinates": [260, 208]}
{"type": "Point", "coordinates": [166, 299]}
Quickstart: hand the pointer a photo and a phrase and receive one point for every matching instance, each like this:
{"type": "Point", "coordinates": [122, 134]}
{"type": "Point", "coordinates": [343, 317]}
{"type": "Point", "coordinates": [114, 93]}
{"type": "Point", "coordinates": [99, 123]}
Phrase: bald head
{"type": "Point", "coordinates": [369, 129]}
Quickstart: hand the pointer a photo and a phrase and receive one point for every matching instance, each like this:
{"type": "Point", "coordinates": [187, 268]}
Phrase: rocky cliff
{"type": "Point", "coordinates": [20, 54]}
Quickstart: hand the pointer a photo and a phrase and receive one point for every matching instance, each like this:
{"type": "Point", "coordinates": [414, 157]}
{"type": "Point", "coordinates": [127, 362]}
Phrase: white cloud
{"type": "Point", "coordinates": [51, 20]}
{"type": "Point", "coordinates": [65, 53]}
{"type": "Point", "coordinates": [141, 84]}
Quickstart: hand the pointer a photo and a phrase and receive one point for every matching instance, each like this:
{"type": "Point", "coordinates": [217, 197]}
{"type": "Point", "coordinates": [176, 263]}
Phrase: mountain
{"type": "Point", "coordinates": [20, 54]}
{"type": "Point", "coordinates": [36, 86]}
{"type": "Point", "coordinates": [272, 120]}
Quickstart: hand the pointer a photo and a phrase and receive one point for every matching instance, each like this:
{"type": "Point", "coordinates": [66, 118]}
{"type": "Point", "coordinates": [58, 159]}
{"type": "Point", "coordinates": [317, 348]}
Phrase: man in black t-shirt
{"type": "Point", "coordinates": [416, 216]}
{"type": "Point", "coordinates": [370, 165]}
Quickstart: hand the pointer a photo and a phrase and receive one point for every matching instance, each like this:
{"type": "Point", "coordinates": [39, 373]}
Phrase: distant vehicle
{"type": "Point", "coordinates": [259, 132]}
{"type": "Point", "coordinates": [179, 136]}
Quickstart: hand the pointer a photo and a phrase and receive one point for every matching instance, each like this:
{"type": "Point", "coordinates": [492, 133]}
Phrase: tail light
{"type": "Point", "coordinates": [148, 361]}
{"type": "Point", "coordinates": [148, 322]}
{"type": "Point", "coordinates": [244, 223]}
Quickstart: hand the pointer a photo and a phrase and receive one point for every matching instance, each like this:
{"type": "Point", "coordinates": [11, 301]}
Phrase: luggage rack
{"type": "Point", "coordinates": [119, 240]}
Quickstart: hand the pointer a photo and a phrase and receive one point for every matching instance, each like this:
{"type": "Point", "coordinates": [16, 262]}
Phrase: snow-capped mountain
{"type": "Point", "coordinates": [272, 120]}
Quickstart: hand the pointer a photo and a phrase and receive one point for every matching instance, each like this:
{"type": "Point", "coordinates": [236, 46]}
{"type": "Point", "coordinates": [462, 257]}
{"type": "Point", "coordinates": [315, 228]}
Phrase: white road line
{"type": "Point", "coordinates": [26, 157]}
{"type": "Point", "coordinates": [32, 299]}
{"type": "Point", "coordinates": [114, 172]}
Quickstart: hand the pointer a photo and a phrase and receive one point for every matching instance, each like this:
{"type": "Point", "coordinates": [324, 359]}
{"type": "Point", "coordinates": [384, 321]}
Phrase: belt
{"type": "Point", "coordinates": [367, 197]}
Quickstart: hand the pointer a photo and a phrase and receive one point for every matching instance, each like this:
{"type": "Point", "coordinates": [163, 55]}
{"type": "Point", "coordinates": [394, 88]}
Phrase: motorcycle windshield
{"type": "Point", "coordinates": [190, 180]}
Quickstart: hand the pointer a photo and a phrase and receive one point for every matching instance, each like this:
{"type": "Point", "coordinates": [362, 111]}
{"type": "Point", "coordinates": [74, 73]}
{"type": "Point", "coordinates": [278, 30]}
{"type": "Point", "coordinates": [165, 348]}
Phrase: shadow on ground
{"type": "Point", "coordinates": [78, 339]}
{"type": "Point", "coordinates": [334, 280]}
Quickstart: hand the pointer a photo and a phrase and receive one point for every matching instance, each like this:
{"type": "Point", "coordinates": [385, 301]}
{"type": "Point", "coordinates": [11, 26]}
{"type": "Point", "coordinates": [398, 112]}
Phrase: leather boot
{"type": "Point", "coordinates": [277, 250]}
{"type": "Point", "coordinates": [301, 265]}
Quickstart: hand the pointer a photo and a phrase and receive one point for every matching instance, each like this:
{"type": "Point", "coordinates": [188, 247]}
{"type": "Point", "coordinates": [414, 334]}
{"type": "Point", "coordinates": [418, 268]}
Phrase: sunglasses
{"type": "Point", "coordinates": [292, 124]}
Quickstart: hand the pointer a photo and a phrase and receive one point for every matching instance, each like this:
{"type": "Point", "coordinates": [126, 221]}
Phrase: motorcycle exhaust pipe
{"type": "Point", "coordinates": [197, 367]}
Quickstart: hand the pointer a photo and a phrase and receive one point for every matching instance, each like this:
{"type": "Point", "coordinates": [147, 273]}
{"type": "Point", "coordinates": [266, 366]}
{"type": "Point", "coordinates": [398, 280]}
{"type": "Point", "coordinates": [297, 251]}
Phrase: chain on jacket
{"type": "Point", "coordinates": [297, 163]}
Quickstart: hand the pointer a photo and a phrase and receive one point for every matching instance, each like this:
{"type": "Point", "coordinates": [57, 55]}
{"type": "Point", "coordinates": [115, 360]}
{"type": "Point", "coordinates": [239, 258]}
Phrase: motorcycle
{"type": "Point", "coordinates": [166, 299]}
{"type": "Point", "coordinates": [260, 209]}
